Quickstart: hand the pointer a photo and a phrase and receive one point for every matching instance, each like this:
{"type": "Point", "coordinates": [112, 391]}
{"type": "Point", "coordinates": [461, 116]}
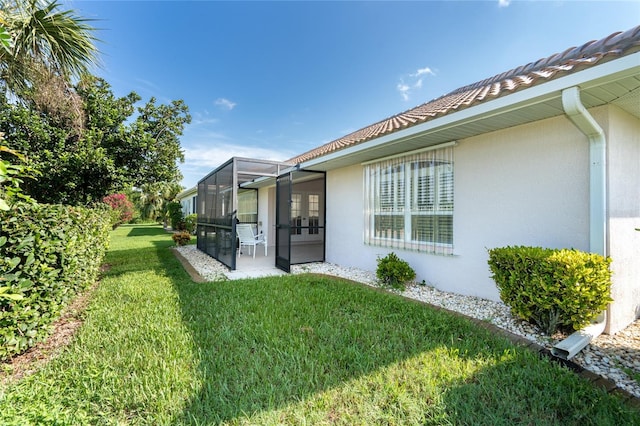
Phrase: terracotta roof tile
{"type": "Point", "coordinates": [545, 69]}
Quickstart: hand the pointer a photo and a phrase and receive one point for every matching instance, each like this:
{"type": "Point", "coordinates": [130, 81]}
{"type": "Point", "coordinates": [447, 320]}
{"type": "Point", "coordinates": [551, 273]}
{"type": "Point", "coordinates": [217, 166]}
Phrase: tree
{"type": "Point", "coordinates": [154, 199]}
{"type": "Point", "coordinates": [43, 38]}
{"type": "Point", "coordinates": [5, 40]}
{"type": "Point", "coordinates": [148, 149]}
{"type": "Point", "coordinates": [114, 151]}
{"type": "Point", "coordinates": [85, 142]}
{"type": "Point", "coordinates": [157, 132]}
{"type": "Point", "coordinates": [72, 170]}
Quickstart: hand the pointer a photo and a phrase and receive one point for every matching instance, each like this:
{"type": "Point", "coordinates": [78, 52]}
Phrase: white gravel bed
{"type": "Point", "coordinates": [610, 356]}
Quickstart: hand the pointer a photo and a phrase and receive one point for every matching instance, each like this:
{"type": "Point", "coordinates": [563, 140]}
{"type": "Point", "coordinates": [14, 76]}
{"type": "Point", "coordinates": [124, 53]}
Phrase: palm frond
{"type": "Point", "coordinates": [61, 40]}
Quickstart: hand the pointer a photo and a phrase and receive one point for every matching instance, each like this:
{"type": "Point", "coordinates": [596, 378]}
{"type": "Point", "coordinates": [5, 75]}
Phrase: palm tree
{"type": "Point", "coordinates": [154, 199]}
{"type": "Point", "coordinates": [5, 40]}
{"type": "Point", "coordinates": [43, 37]}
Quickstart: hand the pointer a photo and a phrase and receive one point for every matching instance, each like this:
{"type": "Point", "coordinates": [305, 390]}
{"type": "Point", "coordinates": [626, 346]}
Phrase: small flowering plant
{"type": "Point", "coordinates": [122, 208]}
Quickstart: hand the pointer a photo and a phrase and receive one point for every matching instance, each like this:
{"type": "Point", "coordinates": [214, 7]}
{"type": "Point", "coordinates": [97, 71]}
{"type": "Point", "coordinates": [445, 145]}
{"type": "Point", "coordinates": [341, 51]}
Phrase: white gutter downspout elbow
{"type": "Point", "coordinates": [578, 114]}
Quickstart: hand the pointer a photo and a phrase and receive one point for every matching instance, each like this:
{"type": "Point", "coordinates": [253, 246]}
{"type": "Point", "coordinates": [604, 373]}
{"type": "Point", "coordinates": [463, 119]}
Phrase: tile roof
{"type": "Point", "coordinates": [571, 60]}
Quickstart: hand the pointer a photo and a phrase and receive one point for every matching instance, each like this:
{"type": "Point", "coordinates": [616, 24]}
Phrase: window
{"type": "Point", "coordinates": [314, 214]}
{"type": "Point", "coordinates": [409, 201]}
{"type": "Point", "coordinates": [296, 214]}
{"type": "Point", "coordinates": [248, 206]}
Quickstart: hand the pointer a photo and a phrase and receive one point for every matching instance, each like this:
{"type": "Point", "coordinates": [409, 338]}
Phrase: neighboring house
{"type": "Point", "coordinates": [547, 154]}
{"type": "Point", "coordinates": [189, 199]}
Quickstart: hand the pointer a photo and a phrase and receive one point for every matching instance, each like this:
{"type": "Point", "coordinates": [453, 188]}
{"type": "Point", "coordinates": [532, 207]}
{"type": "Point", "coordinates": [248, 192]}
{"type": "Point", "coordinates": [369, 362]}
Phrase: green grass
{"type": "Point", "coordinates": [158, 349]}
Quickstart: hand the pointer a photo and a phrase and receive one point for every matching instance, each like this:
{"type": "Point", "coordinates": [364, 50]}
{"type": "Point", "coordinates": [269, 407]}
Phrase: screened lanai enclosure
{"type": "Point", "coordinates": [291, 206]}
{"type": "Point", "coordinates": [300, 213]}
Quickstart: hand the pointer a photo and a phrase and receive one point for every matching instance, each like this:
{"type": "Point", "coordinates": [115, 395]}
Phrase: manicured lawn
{"type": "Point", "coordinates": [158, 349]}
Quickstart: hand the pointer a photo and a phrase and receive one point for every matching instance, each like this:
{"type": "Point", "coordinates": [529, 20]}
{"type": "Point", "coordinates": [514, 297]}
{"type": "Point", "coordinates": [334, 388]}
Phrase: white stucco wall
{"type": "Point", "coordinates": [624, 216]}
{"type": "Point", "coordinates": [267, 213]}
{"type": "Point", "coordinates": [521, 186]}
{"type": "Point", "coordinates": [187, 204]}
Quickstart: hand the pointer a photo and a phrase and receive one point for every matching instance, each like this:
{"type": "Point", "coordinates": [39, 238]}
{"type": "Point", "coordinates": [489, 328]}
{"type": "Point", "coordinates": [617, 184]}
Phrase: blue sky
{"type": "Point", "coordinates": [274, 79]}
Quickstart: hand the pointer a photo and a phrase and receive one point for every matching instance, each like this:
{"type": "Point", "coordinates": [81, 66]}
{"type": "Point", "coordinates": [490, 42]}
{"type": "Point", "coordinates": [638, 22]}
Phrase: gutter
{"type": "Point", "coordinates": [577, 113]}
{"type": "Point", "coordinates": [588, 78]}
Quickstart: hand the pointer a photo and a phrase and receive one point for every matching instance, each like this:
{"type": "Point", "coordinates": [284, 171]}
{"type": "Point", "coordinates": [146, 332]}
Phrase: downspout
{"type": "Point", "coordinates": [578, 114]}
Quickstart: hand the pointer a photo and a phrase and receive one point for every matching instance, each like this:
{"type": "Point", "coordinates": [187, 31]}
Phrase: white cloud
{"type": "Point", "coordinates": [214, 154]}
{"type": "Point", "coordinates": [504, 3]}
{"type": "Point", "coordinates": [225, 103]}
{"type": "Point", "coordinates": [423, 71]}
{"type": "Point", "coordinates": [413, 82]}
{"type": "Point", "coordinates": [404, 90]}
{"type": "Point", "coordinates": [202, 118]}
{"type": "Point", "coordinates": [202, 158]}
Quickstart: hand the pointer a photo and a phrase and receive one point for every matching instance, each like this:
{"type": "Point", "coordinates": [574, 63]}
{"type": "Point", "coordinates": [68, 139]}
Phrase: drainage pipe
{"type": "Point", "coordinates": [573, 344]}
{"type": "Point", "coordinates": [578, 114]}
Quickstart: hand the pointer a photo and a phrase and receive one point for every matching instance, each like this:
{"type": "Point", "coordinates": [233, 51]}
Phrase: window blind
{"type": "Point", "coordinates": [409, 201]}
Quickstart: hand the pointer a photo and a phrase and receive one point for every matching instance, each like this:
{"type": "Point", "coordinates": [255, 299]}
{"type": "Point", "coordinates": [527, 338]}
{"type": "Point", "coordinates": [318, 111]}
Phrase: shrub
{"type": "Point", "coordinates": [181, 238]}
{"type": "Point", "coordinates": [11, 176]}
{"type": "Point", "coordinates": [122, 209]}
{"type": "Point", "coordinates": [176, 217]}
{"type": "Point", "coordinates": [48, 253]}
{"type": "Point", "coordinates": [190, 222]}
{"type": "Point", "coordinates": [554, 289]}
{"type": "Point", "coordinates": [394, 272]}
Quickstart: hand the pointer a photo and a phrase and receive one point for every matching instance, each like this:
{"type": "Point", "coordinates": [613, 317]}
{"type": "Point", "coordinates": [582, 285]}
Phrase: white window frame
{"type": "Point", "coordinates": [404, 189]}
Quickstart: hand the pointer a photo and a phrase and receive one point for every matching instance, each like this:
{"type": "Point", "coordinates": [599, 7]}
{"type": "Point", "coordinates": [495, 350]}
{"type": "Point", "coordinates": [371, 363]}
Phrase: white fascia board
{"type": "Point", "coordinates": [187, 192]}
{"type": "Point", "coordinates": [263, 181]}
{"type": "Point", "coordinates": [590, 77]}
{"type": "Point", "coordinates": [259, 182]}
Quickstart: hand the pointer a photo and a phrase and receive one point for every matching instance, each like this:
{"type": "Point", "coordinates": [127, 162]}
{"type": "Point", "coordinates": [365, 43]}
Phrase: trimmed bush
{"type": "Point", "coordinates": [394, 272]}
{"type": "Point", "coordinates": [553, 289]}
{"type": "Point", "coordinates": [181, 238]}
{"type": "Point", "coordinates": [48, 253]}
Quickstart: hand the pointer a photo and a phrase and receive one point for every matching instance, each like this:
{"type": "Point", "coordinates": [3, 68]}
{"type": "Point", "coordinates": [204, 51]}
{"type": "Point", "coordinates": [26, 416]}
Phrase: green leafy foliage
{"type": "Point", "coordinates": [114, 149]}
{"type": "Point", "coordinates": [554, 289]}
{"type": "Point", "coordinates": [190, 222]}
{"type": "Point", "coordinates": [176, 218]}
{"type": "Point", "coordinates": [152, 199]}
{"type": "Point", "coordinates": [394, 272]}
{"type": "Point", "coordinates": [38, 32]}
{"type": "Point", "coordinates": [48, 253]}
{"type": "Point", "coordinates": [5, 39]}
{"type": "Point", "coordinates": [181, 238]}
{"type": "Point", "coordinates": [11, 176]}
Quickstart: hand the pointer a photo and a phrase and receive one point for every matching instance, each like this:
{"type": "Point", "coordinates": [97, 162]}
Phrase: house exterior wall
{"type": "Point", "coordinates": [267, 213]}
{"type": "Point", "coordinates": [527, 185]}
{"type": "Point", "coordinates": [624, 214]}
{"type": "Point", "coordinates": [187, 204]}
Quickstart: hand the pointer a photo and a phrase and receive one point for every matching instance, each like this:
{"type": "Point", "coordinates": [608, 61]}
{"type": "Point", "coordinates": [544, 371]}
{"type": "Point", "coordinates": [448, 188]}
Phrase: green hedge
{"type": "Point", "coordinates": [48, 253]}
{"type": "Point", "coordinates": [554, 289]}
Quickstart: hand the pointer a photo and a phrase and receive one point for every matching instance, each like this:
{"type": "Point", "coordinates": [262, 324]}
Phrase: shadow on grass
{"type": "Point", "coordinates": [279, 343]}
{"type": "Point", "coordinates": [265, 344]}
{"type": "Point", "coordinates": [268, 347]}
{"type": "Point", "coordinates": [145, 230]}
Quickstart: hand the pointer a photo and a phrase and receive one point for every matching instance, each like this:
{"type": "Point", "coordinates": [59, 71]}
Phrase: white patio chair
{"type": "Point", "coordinates": [249, 239]}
